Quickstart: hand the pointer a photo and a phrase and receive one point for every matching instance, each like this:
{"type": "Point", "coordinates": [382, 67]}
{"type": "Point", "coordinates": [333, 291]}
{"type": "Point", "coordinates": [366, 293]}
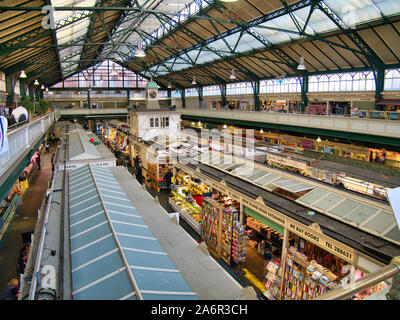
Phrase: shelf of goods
{"type": "Point", "coordinates": [211, 227]}
{"type": "Point", "coordinates": [157, 170]}
{"type": "Point", "coordinates": [190, 212]}
{"type": "Point", "coordinates": [305, 280]}
{"type": "Point", "coordinates": [273, 280]}
{"type": "Point", "coordinates": [222, 231]}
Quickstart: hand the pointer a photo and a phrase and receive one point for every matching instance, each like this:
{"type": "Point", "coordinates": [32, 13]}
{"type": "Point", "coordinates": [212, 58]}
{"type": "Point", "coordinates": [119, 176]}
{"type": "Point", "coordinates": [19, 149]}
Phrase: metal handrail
{"type": "Point", "coordinates": [391, 270]}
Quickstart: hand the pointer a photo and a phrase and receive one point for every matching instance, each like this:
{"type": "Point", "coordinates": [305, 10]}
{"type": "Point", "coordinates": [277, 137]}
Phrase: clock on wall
{"type": "Point", "coordinates": [153, 94]}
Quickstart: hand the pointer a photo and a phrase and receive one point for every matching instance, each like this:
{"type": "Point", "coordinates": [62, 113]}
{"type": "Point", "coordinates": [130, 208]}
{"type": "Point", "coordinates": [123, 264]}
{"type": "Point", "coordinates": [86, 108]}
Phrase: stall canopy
{"type": "Point", "coordinates": [114, 255]}
{"type": "Point", "coordinates": [80, 147]}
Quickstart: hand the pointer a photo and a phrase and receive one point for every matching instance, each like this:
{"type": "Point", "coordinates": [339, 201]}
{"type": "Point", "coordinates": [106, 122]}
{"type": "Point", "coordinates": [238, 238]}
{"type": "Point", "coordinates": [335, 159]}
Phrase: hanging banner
{"type": "Point", "coordinates": [3, 135]}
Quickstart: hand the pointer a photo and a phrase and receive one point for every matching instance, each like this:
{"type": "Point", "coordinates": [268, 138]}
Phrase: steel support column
{"type": "Point", "coordinates": [10, 85]}
{"type": "Point", "coordinates": [223, 94]}
{"type": "Point", "coordinates": [304, 91]}
{"type": "Point", "coordinates": [256, 94]}
{"type": "Point", "coordinates": [169, 94]}
{"type": "Point", "coordinates": [182, 91]}
{"type": "Point", "coordinates": [379, 86]}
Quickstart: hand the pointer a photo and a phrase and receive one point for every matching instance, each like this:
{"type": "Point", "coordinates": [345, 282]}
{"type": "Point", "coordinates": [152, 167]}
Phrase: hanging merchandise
{"type": "Point", "coordinates": [273, 280]}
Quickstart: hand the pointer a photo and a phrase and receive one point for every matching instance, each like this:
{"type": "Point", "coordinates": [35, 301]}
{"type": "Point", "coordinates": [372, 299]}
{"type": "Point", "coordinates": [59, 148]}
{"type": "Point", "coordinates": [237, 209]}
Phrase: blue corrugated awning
{"type": "Point", "coordinates": [114, 255]}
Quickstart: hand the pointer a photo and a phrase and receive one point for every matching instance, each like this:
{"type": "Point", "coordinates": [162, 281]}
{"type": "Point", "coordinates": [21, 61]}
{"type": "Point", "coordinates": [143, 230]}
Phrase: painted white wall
{"type": "Point", "coordinates": [140, 125]}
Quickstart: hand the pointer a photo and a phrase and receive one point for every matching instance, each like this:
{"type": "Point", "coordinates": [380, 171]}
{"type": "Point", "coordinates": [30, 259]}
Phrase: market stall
{"type": "Point", "coordinates": [187, 195]}
{"type": "Point", "coordinates": [282, 257]}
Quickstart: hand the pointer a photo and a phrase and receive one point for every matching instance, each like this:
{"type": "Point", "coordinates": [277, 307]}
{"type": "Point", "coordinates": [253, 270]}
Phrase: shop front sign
{"type": "Point", "coordinates": [310, 233]}
{"type": "Point", "coordinates": [322, 241]}
{"type": "Point", "coordinates": [306, 144]}
{"type": "Point", "coordinates": [327, 150]}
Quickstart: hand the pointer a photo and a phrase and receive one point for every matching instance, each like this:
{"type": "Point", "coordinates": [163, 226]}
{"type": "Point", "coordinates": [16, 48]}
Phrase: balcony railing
{"type": "Point", "coordinates": [391, 270]}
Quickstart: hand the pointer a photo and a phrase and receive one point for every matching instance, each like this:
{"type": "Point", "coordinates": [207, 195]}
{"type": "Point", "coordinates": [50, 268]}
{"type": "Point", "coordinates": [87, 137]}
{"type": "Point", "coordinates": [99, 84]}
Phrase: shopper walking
{"type": "Point", "coordinates": [52, 161]}
{"type": "Point", "coordinates": [38, 159]}
{"type": "Point", "coordinates": [11, 291]}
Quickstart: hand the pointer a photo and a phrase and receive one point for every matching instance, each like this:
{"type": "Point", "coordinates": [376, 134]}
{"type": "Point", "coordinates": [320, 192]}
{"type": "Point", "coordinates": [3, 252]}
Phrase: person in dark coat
{"type": "Point", "coordinates": [168, 178]}
{"type": "Point", "coordinates": [11, 291]}
{"type": "Point", "coordinates": [139, 174]}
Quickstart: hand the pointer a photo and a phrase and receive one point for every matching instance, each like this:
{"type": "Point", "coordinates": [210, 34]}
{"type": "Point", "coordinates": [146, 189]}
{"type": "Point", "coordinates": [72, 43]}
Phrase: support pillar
{"type": "Point", "coordinates": [304, 91]}
{"type": "Point", "coordinates": [182, 91]}
{"type": "Point", "coordinates": [31, 92]}
{"type": "Point", "coordinates": [169, 94]}
{"type": "Point", "coordinates": [379, 86]}
{"type": "Point", "coordinates": [10, 90]}
{"type": "Point", "coordinates": [200, 95]}
{"type": "Point", "coordinates": [22, 89]}
{"type": "Point", "coordinates": [88, 98]}
{"type": "Point", "coordinates": [223, 94]}
{"type": "Point", "coordinates": [256, 93]}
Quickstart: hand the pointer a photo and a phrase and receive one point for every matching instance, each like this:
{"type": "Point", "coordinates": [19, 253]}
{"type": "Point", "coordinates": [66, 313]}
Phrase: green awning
{"type": "Point", "coordinates": [261, 218]}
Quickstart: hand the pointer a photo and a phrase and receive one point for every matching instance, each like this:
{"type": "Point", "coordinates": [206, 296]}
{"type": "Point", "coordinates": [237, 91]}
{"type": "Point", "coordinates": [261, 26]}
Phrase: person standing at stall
{"type": "Point", "coordinates": [168, 178]}
{"type": "Point", "coordinates": [139, 174]}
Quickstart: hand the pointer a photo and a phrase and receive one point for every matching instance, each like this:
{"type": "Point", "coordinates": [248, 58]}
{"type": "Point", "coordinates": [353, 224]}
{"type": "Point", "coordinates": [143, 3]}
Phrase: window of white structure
{"type": "Point", "coordinates": [392, 79]}
{"type": "Point", "coordinates": [211, 91]}
{"type": "Point", "coordinates": [154, 122]}
{"type": "Point", "coordinates": [165, 122]}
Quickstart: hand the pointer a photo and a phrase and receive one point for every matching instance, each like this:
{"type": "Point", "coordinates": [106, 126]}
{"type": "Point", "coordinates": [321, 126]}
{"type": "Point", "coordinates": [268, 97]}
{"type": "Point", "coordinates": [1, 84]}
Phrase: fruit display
{"type": "Point", "coordinates": [191, 209]}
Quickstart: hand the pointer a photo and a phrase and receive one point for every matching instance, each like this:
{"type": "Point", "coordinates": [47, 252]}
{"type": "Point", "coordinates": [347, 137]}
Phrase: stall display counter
{"type": "Point", "coordinates": [190, 212]}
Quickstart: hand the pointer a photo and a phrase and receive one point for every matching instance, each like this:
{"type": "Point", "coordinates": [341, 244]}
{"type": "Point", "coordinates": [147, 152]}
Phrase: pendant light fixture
{"type": "Point", "coordinates": [42, 87]}
{"type": "Point", "coordinates": [319, 140]}
{"type": "Point", "coordinates": [194, 80]}
{"type": "Point", "coordinates": [261, 131]}
{"type": "Point", "coordinates": [139, 53]}
{"type": "Point", "coordinates": [232, 76]}
{"type": "Point", "coordinates": [36, 83]}
{"type": "Point", "coordinates": [301, 65]}
{"type": "Point", "coordinates": [23, 75]}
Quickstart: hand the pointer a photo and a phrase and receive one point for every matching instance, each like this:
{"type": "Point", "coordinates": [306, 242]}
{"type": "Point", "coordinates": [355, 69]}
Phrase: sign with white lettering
{"type": "Point", "coordinates": [76, 165]}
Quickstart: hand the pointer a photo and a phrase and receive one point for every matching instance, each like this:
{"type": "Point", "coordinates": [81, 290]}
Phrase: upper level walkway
{"type": "Point", "coordinates": [22, 141]}
{"type": "Point", "coordinates": [365, 123]}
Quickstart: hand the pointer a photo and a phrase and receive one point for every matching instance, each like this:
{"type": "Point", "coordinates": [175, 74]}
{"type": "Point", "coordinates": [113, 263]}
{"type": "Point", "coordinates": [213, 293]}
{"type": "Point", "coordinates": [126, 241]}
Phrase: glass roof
{"type": "Point", "coordinates": [350, 12]}
{"type": "Point", "coordinates": [366, 216]}
{"type": "Point", "coordinates": [112, 249]}
{"type": "Point", "coordinates": [71, 31]}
